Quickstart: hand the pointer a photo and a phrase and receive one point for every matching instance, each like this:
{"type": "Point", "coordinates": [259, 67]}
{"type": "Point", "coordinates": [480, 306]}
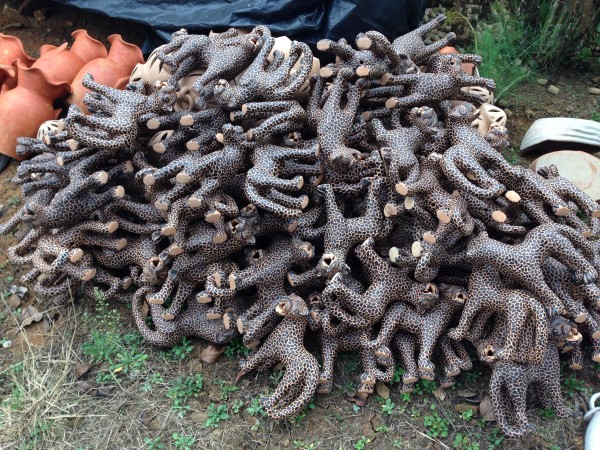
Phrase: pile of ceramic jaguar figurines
{"type": "Point", "coordinates": [233, 189]}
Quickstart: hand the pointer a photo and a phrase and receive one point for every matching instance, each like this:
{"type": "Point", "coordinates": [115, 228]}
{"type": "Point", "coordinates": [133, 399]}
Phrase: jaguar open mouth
{"type": "Point", "coordinates": [431, 289]}
{"type": "Point", "coordinates": [328, 259]}
{"type": "Point", "coordinates": [255, 256]}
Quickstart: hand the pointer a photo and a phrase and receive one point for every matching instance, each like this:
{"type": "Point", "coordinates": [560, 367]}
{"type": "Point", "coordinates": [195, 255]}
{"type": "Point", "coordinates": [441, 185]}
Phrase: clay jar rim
{"type": "Point", "coordinates": [20, 67]}
{"type": "Point", "coordinates": [26, 58]}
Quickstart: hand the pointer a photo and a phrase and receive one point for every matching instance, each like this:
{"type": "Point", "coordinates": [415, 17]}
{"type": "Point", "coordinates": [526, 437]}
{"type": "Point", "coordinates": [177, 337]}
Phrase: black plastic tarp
{"type": "Point", "coordinates": [306, 20]}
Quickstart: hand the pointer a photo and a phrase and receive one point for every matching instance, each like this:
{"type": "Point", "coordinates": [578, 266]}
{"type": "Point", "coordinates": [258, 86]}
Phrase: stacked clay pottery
{"type": "Point", "coordinates": [61, 64]}
{"type": "Point", "coordinates": [31, 101]}
{"type": "Point", "coordinates": [11, 49]}
{"type": "Point", "coordinates": [113, 70]}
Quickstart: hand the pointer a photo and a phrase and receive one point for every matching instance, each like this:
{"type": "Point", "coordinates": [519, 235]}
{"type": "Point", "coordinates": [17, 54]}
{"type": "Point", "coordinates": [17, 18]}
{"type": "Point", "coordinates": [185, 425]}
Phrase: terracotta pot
{"type": "Point", "coordinates": [8, 77]}
{"type": "Point", "coordinates": [86, 47]}
{"type": "Point", "coordinates": [24, 108]}
{"type": "Point", "coordinates": [11, 49]}
{"type": "Point", "coordinates": [113, 71]}
{"type": "Point", "coordinates": [61, 64]}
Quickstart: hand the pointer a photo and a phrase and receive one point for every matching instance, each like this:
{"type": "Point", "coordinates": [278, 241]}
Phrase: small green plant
{"type": "Point", "coordinates": [183, 441]}
{"type": "Point", "coordinates": [182, 390]}
{"type": "Point", "coordinates": [398, 375]}
{"type": "Point", "coordinates": [182, 350]}
{"type": "Point", "coordinates": [463, 442]}
{"type": "Point", "coordinates": [495, 439]}
{"type": "Point", "coordinates": [467, 415]}
{"type": "Point", "coordinates": [236, 406]}
{"type": "Point", "coordinates": [128, 360]}
{"type": "Point", "coordinates": [362, 443]}
{"type": "Point", "coordinates": [276, 377]}
{"type": "Point", "coordinates": [388, 407]}
{"type": "Point", "coordinates": [215, 415]}
{"type": "Point", "coordinates": [382, 428]}
{"type": "Point", "coordinates": [397, 443]}
{"type": "Point", "coordinates": [547, 413]}
{"type": "Point", "coordinates": [571, 385]}
{"type": "Point", "coordinates": [155, 379]}
{"type": "Point", "coordinates": [13, 201]}
{"type": "Point", "coordinates": [424, 387]}
{"type": "Point", "coordinates": [236, 348]}
{"type": "Point", "coordinates": [302, 414]}
{"type": "Point", "coordinates": [226, 389]}
{"type": "Point", "coordinates": [511, 155]}
{"type": "Point", "coordinates": [154, 443]}
{"type": "Point", "coordinates": [350, 364]}
{"type": "Point", "coordinates": [436, 426]}
{"type": "Point", "coordinates": [301, 445]}
{"type": "Point", "coordinates": [255, 408]}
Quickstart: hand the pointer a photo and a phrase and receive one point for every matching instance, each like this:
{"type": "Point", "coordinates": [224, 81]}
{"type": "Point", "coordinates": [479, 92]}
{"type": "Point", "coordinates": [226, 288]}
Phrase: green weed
{"type": "Point", "coordinates": [398, 375]}
{"type": "Point", "coordinates": [547, 413]}
{"type": "Point", "coordinates": [226, 389]}
{"type": "Point", "coordinates": [362, 443]}
{"type": "Point", "coordinates": [388, 407]}
{"type": "Point", "coordinates": [154, 443]}
{"type": "Point", "coordinates": [183, 441]}
{"type": "Point", "coordinates": [463, 442]}
{"type": "Point", "coordinates": [495, 439]}
{"type": "Point", "coordinates": [436, 426]}
{"type": "Point", "coordinates": [302, 414]}
{"type": "Point", "coordinates": [467, 415]}
{"type": "Point", "coordinates": [276, 377]}
{"type": "Point", "coordinates": [424, 387]}
{"type": "Point", "coordinates": [571, 385]}
{"type": "Point", "coordinates": [256, 408]}
{"type": "Point", "coordinates": [236, 406]}
{"type": "Point", "coordinates": [301, 445]}
{"type": "Point", "coordinates": [215, 415]}
{"type": "Point", "coordinates": [236, 348]}
{"type": "Point", "coordinates": [182, 390]}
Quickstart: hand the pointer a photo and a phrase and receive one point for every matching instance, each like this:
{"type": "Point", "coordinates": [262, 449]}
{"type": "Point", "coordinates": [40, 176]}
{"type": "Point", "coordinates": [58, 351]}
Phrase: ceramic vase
{"type": "Point", "coordinates": [24, 108]}
{"type": "Point", "coordinates": [11, 49]}
{"type": "Point", "coordinates": [61, 64]}
{"type": "Point", "coordinates": [113, 70]}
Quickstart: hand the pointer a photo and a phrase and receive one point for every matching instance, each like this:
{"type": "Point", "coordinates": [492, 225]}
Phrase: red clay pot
{"type": "Point", "coordinates": [8, 77]}
{"type": "Point", "coordinates": [24, 108]}
{"type": "Point", "coordinates": [11, 49]}
{"type": "Point", "coordinates": [62, 65]}
{"type": "Point", "coordinates": [113, 71]}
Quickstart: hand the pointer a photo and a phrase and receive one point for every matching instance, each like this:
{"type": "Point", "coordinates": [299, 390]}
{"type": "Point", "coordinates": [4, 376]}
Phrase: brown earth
{"type": "Point", "coordinates": [44, 405]}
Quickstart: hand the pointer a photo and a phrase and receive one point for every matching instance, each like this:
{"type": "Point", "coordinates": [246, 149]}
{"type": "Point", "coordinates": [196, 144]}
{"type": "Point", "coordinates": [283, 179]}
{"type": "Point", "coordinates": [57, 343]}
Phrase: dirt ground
{"type": "Point", "coordinates": [49, 400]}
